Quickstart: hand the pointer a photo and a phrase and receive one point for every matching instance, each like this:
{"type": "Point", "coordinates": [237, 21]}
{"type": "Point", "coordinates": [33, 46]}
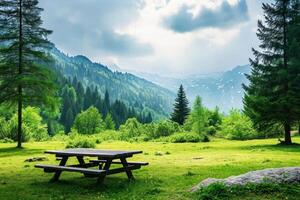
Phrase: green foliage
{"type": "Point", "coordinates": [6, 140]}
{"type": "Point", "coordinates": [33, 126]}
{"type": "Point", "coordinates": [214, 118]}
{"type": "Point", "coordinates": [273, 94]}
{"type": "Point", "coordinates": [23, 78]}
{"type": "Point", "coordinates": [131, 129]}
{"type": "Point", "coordinates": [4, 128]}
{"type": "Point", "coordinates": [109, 123]}
{"type": "Point", "coordinates": [198, 119]}
{"type": "Point", "coordinates": [89, 121]}
{"type": "Point", "coordinates": [186, 137]}
{"type": "Point", "coordinates": [237, 126]}
{"type": "Point", "coordinates": [77, 141]}
{"type": "Point", "coordinates": [181, 109]}
{"type": "Point", "coordinates": [164, 128]}
{"type": "Point", "coordinates": [211, 130]}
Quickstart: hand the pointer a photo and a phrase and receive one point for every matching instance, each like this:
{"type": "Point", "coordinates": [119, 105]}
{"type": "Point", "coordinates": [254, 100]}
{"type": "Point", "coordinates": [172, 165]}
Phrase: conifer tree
{"type": "Point", "coordinates": [181, 109]}
{"type": "Point", "coordinates": [272, 96]}
{"type": "Point", "coordinates": [109, 123]}
{"type": "Point", "coordinates": [23, 41]}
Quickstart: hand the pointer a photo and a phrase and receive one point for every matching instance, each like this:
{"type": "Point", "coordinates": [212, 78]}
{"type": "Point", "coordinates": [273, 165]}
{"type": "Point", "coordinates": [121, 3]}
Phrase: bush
{"type": "Point", "coordinates": [163, 129]}
{"type": "Point", "coordinates": [237, 126]}
{"type": "Point", "coordinates": [4, 128]}
{"type": "Point", "coordinates": [211, 130]}
{"type": "Point", "coordinates": [77, 141]}
{"type": "Point", "coordinates": [6, 140]}
{"type": "Point", "coordinates": [131, 129]}
{"type": "Point", "coordinates": [32, 128]}
{"type": "Point", "coordinates": [187, 137]}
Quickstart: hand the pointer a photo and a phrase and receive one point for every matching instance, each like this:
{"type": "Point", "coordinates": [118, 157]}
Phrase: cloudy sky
{"type": "Point", "coordinates": [166, 37]}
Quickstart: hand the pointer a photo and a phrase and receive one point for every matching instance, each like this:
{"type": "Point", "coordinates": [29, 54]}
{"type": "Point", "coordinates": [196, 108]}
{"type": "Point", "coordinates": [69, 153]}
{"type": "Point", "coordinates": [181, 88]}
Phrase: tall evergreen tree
{"type": "Point", "coordinates": [22, 45]}
{"type": "Point", "coordinates": [106, 106]}
{"type": "Point", "coordinates": [181, 107]}
{"type": "Point", "coordinates": [273, 95]}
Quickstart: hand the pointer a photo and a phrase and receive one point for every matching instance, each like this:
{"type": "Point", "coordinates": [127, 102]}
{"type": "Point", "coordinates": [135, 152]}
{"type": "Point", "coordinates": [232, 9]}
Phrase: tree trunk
{"type": "Point", "coordinates": [20, 117]}
{"type": "Point", "coordinates": [287, 133]}
{"type": "Point", "coordinates": [20, 95]}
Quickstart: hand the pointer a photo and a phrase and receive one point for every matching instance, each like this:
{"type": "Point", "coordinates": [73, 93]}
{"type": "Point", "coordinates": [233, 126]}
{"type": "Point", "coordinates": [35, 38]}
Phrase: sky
{"type": "Point", "coordinates": [167, 37]}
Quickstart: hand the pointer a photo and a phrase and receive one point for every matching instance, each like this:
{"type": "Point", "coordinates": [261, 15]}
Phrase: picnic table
{"type": "Point", "coordinates": [104, 160]}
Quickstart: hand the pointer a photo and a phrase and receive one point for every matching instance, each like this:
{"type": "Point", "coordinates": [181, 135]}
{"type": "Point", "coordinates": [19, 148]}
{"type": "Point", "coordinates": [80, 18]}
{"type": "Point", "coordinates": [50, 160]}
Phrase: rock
{"type": "Point", "coordinates": [274, 175]}
{"type": "Point", "coordinates": [36, 159]}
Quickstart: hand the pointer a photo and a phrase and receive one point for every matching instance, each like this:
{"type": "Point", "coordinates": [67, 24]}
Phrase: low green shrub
{"type": "Point", "coordinates": [6, 140]}
{"type": "Point", "coordinates": [187, 137]}
{"type": "Point", "coordinates": [211, 130]}
{"type": "Point", "coordinates": [81, 143]}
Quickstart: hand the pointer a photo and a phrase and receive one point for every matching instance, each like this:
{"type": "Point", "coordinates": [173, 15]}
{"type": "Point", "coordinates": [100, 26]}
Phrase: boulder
{"type": "Point", "coordinates": [274, 175]}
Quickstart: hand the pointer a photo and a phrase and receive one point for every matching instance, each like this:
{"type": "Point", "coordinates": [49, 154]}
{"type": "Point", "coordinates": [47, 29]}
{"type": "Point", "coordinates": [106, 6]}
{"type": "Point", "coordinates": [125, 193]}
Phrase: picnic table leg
{"type": "Point", "coordinates": [100, 164]}
{"type": "Point", "coordinates": [106, 168]}
{"type": "Point", "coordinates": [81, 161]}
{"type": "Point", "coordinates": [128, 171]}
{"type": "Point", "coordinates": [58, 173]}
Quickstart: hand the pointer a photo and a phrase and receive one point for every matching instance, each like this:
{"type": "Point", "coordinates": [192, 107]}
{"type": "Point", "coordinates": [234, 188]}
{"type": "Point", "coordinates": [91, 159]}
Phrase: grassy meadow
{"type": "Point", "coordinates": [173, 170]}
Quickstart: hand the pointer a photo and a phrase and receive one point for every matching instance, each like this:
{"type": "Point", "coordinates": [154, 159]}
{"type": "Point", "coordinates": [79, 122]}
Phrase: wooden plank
{"type": "Point", "coordinates": [93, 152]}
{"type": "Point", "coordinates": [119, 162]}
{"type": "Point", "coordinates": [122, 169]}
{"type": "Point", "coordinates": [55, 168]}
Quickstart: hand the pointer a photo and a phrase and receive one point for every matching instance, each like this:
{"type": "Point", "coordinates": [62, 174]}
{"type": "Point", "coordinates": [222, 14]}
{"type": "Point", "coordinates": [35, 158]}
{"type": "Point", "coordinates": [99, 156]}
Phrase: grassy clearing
{"type": "Point", "coordinates": [173, 170]}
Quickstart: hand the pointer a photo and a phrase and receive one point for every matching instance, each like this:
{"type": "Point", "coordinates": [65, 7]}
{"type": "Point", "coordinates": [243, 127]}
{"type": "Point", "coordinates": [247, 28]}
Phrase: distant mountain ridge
{"type": "Point", "coordinates": [137, 92]}
{"type": "Point", "coordinates": [223, 89]}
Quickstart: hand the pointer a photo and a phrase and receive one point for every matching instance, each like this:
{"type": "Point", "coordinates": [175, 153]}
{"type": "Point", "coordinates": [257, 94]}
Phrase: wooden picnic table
{"type": "Point", "coordinates": [104, 160]}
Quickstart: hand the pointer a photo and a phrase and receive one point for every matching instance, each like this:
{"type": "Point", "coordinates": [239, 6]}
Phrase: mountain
{"type": "Point", "coordinates": [223, 89]}
{"type": "Point", "coordinates": [137, 92]}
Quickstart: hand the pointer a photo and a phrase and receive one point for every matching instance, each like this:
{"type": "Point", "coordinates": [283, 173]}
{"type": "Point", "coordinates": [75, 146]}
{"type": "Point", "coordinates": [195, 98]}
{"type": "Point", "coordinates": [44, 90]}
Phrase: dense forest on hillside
{"type": "Point", "coordinates": [135, 92]}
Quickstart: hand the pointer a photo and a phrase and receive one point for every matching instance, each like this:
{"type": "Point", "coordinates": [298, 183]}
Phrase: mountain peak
{"type": "Point", "coordinates": [82, 58]}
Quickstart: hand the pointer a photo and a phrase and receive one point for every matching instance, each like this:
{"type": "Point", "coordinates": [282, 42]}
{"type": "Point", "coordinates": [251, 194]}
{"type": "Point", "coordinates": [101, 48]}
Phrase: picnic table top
{"type": "Point", "coordinates": [94, 152]}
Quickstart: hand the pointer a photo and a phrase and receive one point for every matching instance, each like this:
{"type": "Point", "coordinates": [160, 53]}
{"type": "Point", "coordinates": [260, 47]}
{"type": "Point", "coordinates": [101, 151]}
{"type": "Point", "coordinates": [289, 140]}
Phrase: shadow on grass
{"type": "Point", "coordinates": [274, 147]}
{"type": "Point", "coordinates": [14, 151]}
{"type": "Point", "coordinates": [112, 186]}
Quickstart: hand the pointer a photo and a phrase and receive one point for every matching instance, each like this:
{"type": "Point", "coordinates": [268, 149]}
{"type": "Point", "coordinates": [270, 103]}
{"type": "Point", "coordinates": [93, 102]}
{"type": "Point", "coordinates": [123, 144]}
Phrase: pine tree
{"type": "Point", "coordinates": [23, 41]}
{"type": "Point", "coordinates": [181, 109]}
{"type": "Point", "coordinates": [272, 96]}
{"type": "Point", "coordinates": [106, 106]}
{"type": "Point", "coordinates": [198, 117]}
{"type": "Point", "coordinates": [109, 123]}
{"type": "Point", "coordinates": [69, 120]}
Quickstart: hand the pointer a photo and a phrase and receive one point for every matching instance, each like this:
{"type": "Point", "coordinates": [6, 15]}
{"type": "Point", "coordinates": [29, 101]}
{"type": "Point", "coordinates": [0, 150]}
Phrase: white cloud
{"type": "Point", "coordinates": [78, 26]}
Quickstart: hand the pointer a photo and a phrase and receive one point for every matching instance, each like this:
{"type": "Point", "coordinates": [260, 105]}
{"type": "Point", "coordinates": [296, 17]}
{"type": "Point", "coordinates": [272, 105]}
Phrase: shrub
{"type": "Point", "coordinates": [131, 129]}
{"type": "Point", "coordinates": [81, 142]}
{"type": "Point", "coordinates": [211, 130]}
{"type": "Point", "coordinates": [6, 140]}
{"type": "Point", "coordinates": [164, 128]}
{"type": "Point", "coordinates": [32, 128]}
{"type": "Point", "coordinates": [4, 128]}
{"type": "Point", "coordinates": [187, 137]}
{"type": "Point", "coordinates": [237, 126]}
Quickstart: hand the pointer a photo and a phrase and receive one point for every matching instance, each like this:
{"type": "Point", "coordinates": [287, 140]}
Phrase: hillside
{"type": "Point", "coordinates": [134, 91]}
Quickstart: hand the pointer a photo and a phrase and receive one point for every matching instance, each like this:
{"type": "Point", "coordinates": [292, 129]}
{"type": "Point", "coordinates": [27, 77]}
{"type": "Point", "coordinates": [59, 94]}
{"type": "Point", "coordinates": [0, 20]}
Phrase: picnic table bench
{"type": "Point", "coordinates": [105, 158]}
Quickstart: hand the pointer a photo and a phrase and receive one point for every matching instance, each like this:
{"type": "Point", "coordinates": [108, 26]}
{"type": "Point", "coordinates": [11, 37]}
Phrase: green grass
{"type": "Point", "coordinates": [173, 170]}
